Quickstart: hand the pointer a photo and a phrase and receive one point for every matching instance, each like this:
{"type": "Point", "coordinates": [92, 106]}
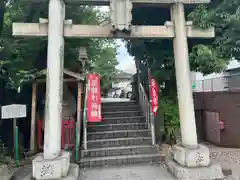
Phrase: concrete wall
{"type": "Point", "coordinates": [227, 104]}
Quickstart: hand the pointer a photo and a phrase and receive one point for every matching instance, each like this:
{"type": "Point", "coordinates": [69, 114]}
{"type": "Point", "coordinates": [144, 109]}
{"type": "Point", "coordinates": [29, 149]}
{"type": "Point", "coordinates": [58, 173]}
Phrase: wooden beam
{"type": "Point", "coordinates": [65, 80]}
{"type": "Point", "coordinates": [138, 2]}
{"type": "Point", "coordinates": [33, 118]}
{"type": "Point", "coordinates": [79, 103]}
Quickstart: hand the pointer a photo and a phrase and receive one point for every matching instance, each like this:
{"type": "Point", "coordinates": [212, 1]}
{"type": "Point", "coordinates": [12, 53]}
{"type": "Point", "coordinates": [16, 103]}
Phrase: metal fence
{"type": "Point", "coordinates": [224, 83]}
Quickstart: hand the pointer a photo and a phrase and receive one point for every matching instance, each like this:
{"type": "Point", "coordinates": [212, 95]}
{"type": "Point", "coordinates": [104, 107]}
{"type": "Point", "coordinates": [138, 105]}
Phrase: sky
{"type": "Point", "coordinates": [125, 61]}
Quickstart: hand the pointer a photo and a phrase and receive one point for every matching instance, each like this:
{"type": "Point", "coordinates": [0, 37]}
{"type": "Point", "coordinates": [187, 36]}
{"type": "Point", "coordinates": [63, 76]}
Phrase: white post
{"type": "Point", "coordinates": [54, 87]}
{"type": "Point", "coordinates": [184, 90]}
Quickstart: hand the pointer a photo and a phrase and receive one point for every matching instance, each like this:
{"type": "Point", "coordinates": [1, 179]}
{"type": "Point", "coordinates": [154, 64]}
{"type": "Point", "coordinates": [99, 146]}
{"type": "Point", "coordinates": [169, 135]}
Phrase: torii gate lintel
{"type": "Point", "coordinates": [105, 31]}
{"type": "Point", "coordinates": [136, 2]}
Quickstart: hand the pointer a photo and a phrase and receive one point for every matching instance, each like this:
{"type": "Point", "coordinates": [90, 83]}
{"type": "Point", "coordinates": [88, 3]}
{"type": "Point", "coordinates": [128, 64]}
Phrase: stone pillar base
{"type": "Point", "coordinates": [210, 172]}
{"type": "Point", "coordinates": [193, 164]}
{"type": "Point", "coordinates": [58, 168]}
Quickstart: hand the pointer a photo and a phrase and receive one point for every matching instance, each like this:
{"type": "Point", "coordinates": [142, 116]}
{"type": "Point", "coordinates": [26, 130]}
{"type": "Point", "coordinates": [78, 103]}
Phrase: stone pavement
{"type": "Point", "coordinates": [134, 172]}
{"type": "Point", "coordinates": [229, 158]}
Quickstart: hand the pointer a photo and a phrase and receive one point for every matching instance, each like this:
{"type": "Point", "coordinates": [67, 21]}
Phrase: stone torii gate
{"type": "Point", "coordinates": [190, 159]}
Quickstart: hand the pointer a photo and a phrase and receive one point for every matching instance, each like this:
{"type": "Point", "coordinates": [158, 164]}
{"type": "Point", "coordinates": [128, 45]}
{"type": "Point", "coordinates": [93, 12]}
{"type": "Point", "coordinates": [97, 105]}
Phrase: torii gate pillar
{"type": "Point", "coordinates": [190, 160]}
{"type": "Point", "coordinates": [54, 163]}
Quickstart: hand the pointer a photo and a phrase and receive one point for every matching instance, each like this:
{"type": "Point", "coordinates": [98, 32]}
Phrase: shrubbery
{"type": "Point", "coordinates": [169, 108]}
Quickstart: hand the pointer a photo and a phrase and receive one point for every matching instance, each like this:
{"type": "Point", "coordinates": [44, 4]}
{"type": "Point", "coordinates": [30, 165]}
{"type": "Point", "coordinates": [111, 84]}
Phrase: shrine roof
{"type": "Point", "coordinates": [68, 74]}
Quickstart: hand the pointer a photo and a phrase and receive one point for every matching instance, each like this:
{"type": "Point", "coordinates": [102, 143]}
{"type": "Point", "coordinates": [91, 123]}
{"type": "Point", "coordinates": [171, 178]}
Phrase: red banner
{"type": "Point", "coordinates": [154, 94]}
{"type": "Point", "coordinates": [94, 99]}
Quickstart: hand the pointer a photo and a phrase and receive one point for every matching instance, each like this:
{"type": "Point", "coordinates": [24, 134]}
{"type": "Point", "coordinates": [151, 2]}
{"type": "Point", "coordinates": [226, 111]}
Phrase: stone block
{"type": "Point", "coordinates": [210, 172]}
{"type": "Point", "coordinates": [51, 169]}
{"type": "Point", "coordinates": [198, 157]}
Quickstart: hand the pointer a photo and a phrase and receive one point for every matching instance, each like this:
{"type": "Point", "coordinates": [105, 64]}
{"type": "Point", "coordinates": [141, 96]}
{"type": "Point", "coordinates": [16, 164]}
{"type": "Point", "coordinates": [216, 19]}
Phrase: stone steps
{"type": "Point", "coordinates": [120, 108]}
{"type": "Point", "coordinates": [116, 127]}
{"type": "Point", "coordinates": [122, 138]}
{"type": "Point", "coordinates": [124, 106]}
{"type": "Point", "coordinates": [118, 134]}
{"type": "Point", "coordinates": [118, 142]}
{"type": "Point", "coordinates": [120, 160]}
{"type": "Point", "coordinates": [119, 104]}
{"type": "Point", "coordinates": [122, 114]}
{"type": "Point", "coordinates": [118, 151]}
{"type": "Point", "coordinates": [121, 120]}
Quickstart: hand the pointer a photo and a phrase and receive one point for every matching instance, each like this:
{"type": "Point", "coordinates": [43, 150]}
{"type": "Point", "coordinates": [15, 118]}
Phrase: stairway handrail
{"type": "Point", "coordinates": [85, 115]}
{"type": "Point", "coordinates": [145, 104]}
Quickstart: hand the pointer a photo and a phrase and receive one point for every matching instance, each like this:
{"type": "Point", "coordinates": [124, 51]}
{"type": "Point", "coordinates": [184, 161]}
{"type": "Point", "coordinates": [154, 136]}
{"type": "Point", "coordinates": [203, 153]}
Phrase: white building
{"type": "Point", "coordinates": [219, 81]}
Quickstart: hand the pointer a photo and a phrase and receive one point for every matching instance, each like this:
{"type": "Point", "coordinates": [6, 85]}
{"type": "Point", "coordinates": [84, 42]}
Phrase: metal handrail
{"type": "Point", "coordinates": [85, 116]}
{"type": "Point", "coordinates": [145, 104]}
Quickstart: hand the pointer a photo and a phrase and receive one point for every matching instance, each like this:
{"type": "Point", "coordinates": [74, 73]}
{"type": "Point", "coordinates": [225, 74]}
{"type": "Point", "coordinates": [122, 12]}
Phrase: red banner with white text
{"type": "Point", "coordinates": [94, 99]}
{"type": "Point", "coordinates": [154, 94]}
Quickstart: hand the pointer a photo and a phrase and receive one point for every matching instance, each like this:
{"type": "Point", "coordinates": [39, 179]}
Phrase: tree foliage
{"type": "Point", "coordinates": [206, 56]}
{"type": "Point", "coordinates": [224, 16]}
{"type": "Point", "coordinates": [25, 58]}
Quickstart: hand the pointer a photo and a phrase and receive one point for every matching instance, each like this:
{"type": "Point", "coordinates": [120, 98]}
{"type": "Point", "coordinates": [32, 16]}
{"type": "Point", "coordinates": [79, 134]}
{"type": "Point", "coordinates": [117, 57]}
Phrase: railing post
{"type": "Point", "coordinates": [152, 128]}
{"type": "Point", "coordinates": [85, 115]}
{"type": "Point", "coordinates": [203, 87]}
{"type": "Point", "coordinates": [138, 79]}
{"type": "Point", "coordinates": [212, 84]}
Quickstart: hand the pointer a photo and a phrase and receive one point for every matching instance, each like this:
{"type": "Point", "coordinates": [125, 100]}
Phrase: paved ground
{"type": "Point", "coordinates": [136, 172]}
{"type": "Point", "coordinates": [229, 158]}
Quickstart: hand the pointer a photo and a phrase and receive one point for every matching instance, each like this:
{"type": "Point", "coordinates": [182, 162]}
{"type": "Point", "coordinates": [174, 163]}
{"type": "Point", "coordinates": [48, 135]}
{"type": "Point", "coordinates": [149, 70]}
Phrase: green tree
{"type": "Point", "coordinates": [106, 67]}
{"type": "Point", "coordinates": [24, 58]}
{"type": "Point", "coordinates": [224, 16]}
{"type": "Point", "coordinates": [206, 56]}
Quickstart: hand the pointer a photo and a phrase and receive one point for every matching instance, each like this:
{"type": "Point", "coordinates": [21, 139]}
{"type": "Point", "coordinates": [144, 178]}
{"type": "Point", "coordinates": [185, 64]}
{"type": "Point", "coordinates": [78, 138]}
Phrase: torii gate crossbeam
{"type": "Point", "coordinates": [105, 31]}
{"type": "Point", "coordinates": [137, 2]}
